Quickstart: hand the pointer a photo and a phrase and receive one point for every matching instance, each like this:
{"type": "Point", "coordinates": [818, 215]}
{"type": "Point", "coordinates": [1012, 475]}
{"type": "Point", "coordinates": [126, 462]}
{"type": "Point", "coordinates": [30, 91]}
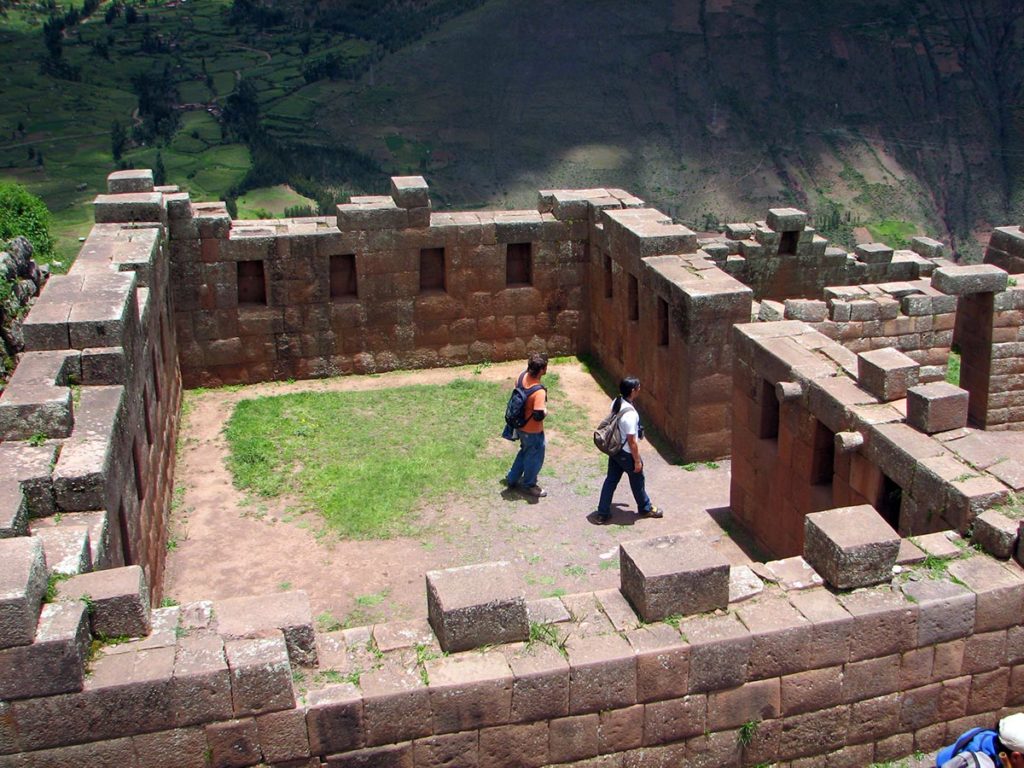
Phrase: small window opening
{"type": "Point", "coordinates": [787, 243]}
{"type": "Point", "coordinates": [519, 264]}
{"type": "Point", "coordinates": [252, 287]}
{"type": "Point", "coordinates": [608, 283]}
{"type": "Point", "coordinates": [145, 416]}
{"type": "Point", "coordinates": [823, 456]}
{"type": "Point", "coordinates": [344, 284]}
{"type": "Point", "coordinates": [662, 322]}
{"type": "Point", "coordinates": [769, 422]}
{"type": "Point", "coordinates": [156, 373]}
{"type": "Point", "coordinates": [634, 298]}
{"type": "Point", "coordinates": [432, 269]}
{"type": "Point", "coordinates": [126, 540]}
{"type": "Point", "coordinates": [140, 487]}
{"type": "Point", "coordinates": [890, 501]}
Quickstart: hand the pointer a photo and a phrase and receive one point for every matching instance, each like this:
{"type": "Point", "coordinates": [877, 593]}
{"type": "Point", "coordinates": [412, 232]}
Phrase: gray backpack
{"type": "Point", "coordinates": [608, 436]}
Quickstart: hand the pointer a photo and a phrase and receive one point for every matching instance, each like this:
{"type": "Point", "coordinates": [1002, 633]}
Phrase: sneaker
{"type": "Point", "coordinates": [653, 512]}
{"type": "Point", "coordinates": [535, 491]}
{"type": "Point", "coordinates": [507, 484]}
{"type": "Point", "coordinates": [600, 519]}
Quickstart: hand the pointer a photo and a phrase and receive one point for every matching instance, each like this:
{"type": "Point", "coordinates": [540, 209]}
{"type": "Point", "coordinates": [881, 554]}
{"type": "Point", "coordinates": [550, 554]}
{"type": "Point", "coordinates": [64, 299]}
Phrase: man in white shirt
{"type": "Point", "coordinates": [627, 460]}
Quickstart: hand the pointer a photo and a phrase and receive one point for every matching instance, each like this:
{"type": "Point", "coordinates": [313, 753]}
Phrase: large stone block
{"type": "Point", "coordinates": [410, 192]}
{"type": "Point", "coordinates": [54, 662]}
{"type": "Point", "coordinates": [874, 253]}
{"type": "Point", "coordinates": [261, 677]}
{"type": "Point", "coordinates": [66, 548]}
{"type": "Point", "coordinates": [469, 691]}
{"type": "Point", "coordinates": [118, 599]}
{"type": "Point", "coordinates": [255, 616]}
{"type": "Point", "coordinates": [886, 373]}
{"type": "Point", "coordinates": [786, 220]}
{"type": "Point", "coordinates": [201, 691]}
{"type": "Point", "coordinates": [995, 533]}
{"type": "Point", "coordinates": [22, 585]}
{"type": "Point", "coordinates": [673, 575]}
{"type": "Point", "coordinates": [129, 207]}
{"type": "Point", "coordinates": [36, 400]}
{"type": "Point", "coordinates": [476, 605]}
{"type": "Point", "coordinates": [850, 546]}
{"type": "Point", "coordinates": [936, 407]}
{"type": "Point", "coordinates": [121, 182]}
{"type": "Point", "coordinates": [334, 719]}
{"type": "Point", "coordinates": [970, 279]}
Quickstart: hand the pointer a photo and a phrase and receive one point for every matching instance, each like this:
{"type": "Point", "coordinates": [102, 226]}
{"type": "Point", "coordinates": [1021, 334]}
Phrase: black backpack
{"type": "Point", "coordinates": [515, 411]}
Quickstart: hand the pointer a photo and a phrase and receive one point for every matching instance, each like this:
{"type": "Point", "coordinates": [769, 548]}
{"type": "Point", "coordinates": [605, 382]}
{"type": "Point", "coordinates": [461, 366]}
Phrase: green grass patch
{"type": "Point", "coordinates": [366, 460]}
{"type": "Point", "coordinates": [893, 232]}
{"type": "Point", "coordinates": [272, 199]}
{"type": "Point", "coordinates": [953, 368]}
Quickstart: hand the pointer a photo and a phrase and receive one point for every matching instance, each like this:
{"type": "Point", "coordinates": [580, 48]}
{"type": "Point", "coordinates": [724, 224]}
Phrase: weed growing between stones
{"type": "Point", "coordinates": [547, 634]}
{"type": "Point", "coordinates": [746, 732]}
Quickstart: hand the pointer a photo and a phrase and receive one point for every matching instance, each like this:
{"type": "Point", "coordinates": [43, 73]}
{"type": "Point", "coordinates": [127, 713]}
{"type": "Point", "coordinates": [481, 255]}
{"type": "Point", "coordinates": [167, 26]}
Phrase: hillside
{"type": "Point", "coordinates": [900, 116]}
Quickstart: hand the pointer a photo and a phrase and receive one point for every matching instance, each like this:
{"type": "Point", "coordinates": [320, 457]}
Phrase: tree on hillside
{"type": "Point", "coordinates": [159, 171]}
{"type": "Point", "coordinates": [242, 110]}
{"type": "Point", "coordinates": [22, 213]}
{"type": "Point", "coordinates": [118, 139]}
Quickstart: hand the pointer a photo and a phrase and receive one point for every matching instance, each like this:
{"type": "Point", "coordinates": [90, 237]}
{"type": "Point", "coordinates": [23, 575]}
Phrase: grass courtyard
{"type": "Point", "coordinates": [352, 488]}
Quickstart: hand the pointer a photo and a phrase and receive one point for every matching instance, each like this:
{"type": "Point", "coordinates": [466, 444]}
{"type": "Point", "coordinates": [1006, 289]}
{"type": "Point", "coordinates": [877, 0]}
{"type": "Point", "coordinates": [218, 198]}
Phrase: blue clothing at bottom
{"type": "Point", "coordinates": [622, 462]}
{"type": "Point", "coordinates": [528, 461]}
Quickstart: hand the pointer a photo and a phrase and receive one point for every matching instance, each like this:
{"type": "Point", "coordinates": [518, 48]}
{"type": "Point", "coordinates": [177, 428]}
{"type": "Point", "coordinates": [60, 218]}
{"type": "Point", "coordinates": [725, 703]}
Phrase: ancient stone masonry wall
{"type": "Point", "coordinates": [1006, 249]}
{"type": "Point", "coordinates": [661, 311]}
{"type": "Point", "coordinates": [783, 673]}
{"type": "Point", "coordinates": [911, 316]}
{"type": "Point", "coordinates": [815, 427]}
{"type": "Point", "coordinates": [386, 285]}
{"type": "Point", "coordinates": [88, 421]}
{"type": "Point", "coordinates": [782, 258]}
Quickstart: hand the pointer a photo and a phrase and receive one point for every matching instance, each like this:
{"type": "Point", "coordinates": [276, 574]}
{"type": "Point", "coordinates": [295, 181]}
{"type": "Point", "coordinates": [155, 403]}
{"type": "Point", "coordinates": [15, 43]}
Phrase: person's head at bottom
{"type": "Point", "coordinates": [1011, 738]}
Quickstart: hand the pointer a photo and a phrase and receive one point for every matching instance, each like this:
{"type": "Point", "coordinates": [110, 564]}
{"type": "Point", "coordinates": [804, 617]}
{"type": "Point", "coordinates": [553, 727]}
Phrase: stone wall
{"type": "Point", "coordinates": [783, 258]}
{"type": "Point", "coordinates": [816, 426]}
{"type": "Point", "coordinates": [89, 418]}
{"type": "Point", "coordinates": [385, 285]}
{"type": "Point", "coordinates": [785, 673]}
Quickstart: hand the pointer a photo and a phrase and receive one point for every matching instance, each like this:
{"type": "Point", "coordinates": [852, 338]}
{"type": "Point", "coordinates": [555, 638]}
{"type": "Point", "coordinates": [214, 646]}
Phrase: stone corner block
{"type": "Point", "coordinates": [118, 600]}
{"type": "Point", "coordinates": [673, 575]}
{"type": "Point", "coordinates": [136, 180]}
{"type": "Point", "coordinates": [936, 407]}
{"type": "Point", "coordinates": [886, 373]}
{"type": "Point", "coordinates": [476, 605]}
{"type": "Point", "coordinates": [995, 533]}
{"type": "Point", "coordinates": [410, 192]}
{"type": "Point", "coordinates": [850, 546]}
{"type": "Point", "coordinates": [22, 585]}
{"type": "Point", "coordinates": [261, 675]}
{"type": "Point", "coordinates": [969, 279]}
{"type": "Point", "coordinates": [786, 220]}
{"type": "Point", "coordinates": [874, 253]}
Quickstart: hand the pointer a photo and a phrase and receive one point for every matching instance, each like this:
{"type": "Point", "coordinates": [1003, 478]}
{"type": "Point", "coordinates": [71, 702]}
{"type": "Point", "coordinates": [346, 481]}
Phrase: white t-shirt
{"type": "Point", "coordinates": [629, 424]}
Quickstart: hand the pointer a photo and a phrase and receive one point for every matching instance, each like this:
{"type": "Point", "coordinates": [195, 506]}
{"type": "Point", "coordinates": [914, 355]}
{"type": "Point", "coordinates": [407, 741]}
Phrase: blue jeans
{"type": "Point", "coordinates": [529, 460]}
{"type": "Point", "coordinates": [618, 464]}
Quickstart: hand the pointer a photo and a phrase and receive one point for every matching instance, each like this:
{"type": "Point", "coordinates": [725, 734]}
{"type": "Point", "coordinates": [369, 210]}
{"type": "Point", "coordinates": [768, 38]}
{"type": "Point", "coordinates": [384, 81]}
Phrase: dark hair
{"type": "Point", "coordinates": [626, 388]}
{"type": "Point", "coordinates": [536, 363]}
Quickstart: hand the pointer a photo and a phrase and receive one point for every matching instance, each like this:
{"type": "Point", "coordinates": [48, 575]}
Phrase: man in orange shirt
{"type": "Point", "coordinates": [530, 458]}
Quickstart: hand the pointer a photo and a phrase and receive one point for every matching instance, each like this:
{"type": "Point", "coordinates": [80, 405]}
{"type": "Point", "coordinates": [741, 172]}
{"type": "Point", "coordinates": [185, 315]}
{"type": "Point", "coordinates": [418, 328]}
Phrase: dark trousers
{"type": "Point", "coordinates": [618, 464]}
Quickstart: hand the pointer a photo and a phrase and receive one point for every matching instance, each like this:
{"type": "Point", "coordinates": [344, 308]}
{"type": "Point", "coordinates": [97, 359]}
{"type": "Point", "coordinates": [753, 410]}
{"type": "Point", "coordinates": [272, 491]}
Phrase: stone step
{"type": "Point", "coordinates": [22, 586]}
{"type": "Point", "coordinates": [99, 533]}
{"type": "Point", "coordinates": [66, 548]}
{"type": "Point", "coordinates": [118, 599]}
{"type": "Point", "coordinates": [289, 612]}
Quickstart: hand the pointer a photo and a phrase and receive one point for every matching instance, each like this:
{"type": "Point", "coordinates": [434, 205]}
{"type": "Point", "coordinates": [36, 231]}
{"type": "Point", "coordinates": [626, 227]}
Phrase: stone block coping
{"type": "Point", "coordinates": [850, 546]}
{"type": "Point", "coordinates": [476, 605]}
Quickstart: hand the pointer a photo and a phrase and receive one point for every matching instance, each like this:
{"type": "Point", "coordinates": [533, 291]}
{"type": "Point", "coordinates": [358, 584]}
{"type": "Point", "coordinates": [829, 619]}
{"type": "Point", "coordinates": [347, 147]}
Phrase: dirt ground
{"type": "Point", "coordinates": [224, 544]}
